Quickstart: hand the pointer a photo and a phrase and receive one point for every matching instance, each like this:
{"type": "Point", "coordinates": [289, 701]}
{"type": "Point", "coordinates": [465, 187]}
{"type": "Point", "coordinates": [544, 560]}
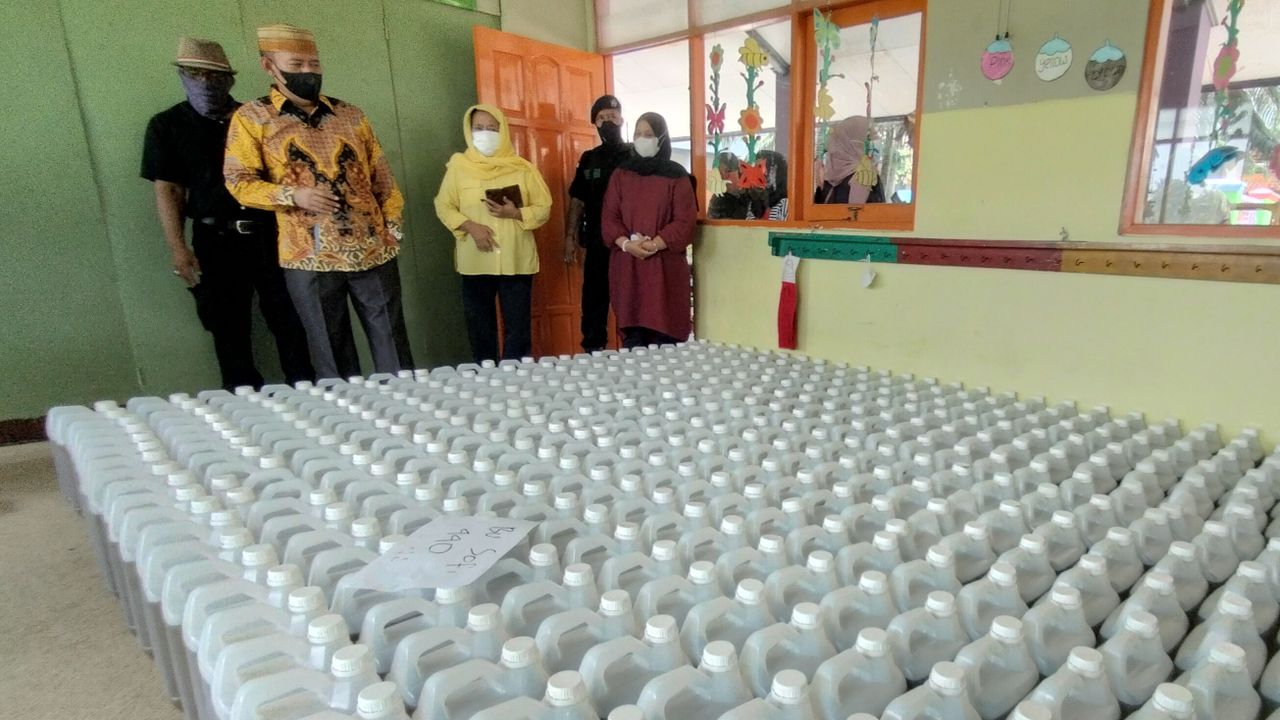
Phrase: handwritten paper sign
{"type": "Point", "coordinates": [447, 552]}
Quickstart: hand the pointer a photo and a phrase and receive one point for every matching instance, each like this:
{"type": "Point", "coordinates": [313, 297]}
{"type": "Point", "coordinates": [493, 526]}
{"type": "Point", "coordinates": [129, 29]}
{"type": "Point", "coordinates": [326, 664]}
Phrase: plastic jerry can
{"type": "Point", "coordinates": [1089, 577]}
{"type": "Point", "coordinates": [713, 688]}
{"type": "Point", "coordinates": [1220, 685]}
{"type": "Point", "coordinates": [675, 596]}
{"type": "Point", "coordinates": [1249, 581]}
{"type": "Point", "coordinates": [464, 690]}
{"type": "Point", "coordinates": [526, 606]}
{"type": "Point", "coordinates": [565, 637]}
{"type": "Point", "coordinates": [1169, 702]}
{"type": "Point", "coordinates": [1155, 595]}
{"type": "Point", "coordinates": [800, 645]}
{"type": "Point", "coordinates": [616, 671]}
{"type": "Point", "coordinates": [380, 701]}
{"type": "Point", "coordinates": [998, 668]}
{"type": "Point", "coordinates": [926, 635]}
{"type": "Point", "coordinates": [1031, 561]}
{"type": "Point", "coordinates": [971, 548]}
{"type": "Point", "coordinates": [756, 563]}
{"type": "Point", "coordinates": [881, 555]}
{"type": "Point", "coordinates": [1182, 564]}
{"type": "Point", "coordinates": [912, 582]}
{"type": "Point", "coordinates": [981, 601]}
{"type": "Point", "coordinates": [862, 679]}
{"type": "Point", "coordinates": [426, 652]}
{"type": "Point", "coordinates": [943, 697]}
{"type": "Point", "coordinates": [1062, 539]}
{"type": "Point", "coordinates": [1135, 661]}
{"type": "Point", "coordinates": [1054, 627]}
{"type": "Point", "coordinates": [1079, 690]}
{"type": "Point", "coordinates": [723, 618]}
{"type": "Point", "coordinates": [1218, 558]}
{"type": "Point", "coordinates": [1233, 622]}
{"type": "Point", "coordinates": [786, 588]}
{"type": "Point", "coordinates": [850, 609]}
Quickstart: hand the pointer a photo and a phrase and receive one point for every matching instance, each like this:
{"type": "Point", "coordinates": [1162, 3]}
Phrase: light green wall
{"type": "Point", "coordinates": [1022, 171]}
{"type": "Point", "coordinates": [570, 23]}
{"type": "Point", "coordinates": [93, 308]}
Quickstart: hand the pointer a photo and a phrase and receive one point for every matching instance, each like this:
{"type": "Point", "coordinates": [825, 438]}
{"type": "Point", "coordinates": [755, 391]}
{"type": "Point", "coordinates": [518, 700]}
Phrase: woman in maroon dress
{"type": "Point", "coordinates": [649, 218]}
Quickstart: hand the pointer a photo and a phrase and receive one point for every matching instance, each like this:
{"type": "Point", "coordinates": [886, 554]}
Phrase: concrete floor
{"type": "Point", "coordinates": [66, 652]}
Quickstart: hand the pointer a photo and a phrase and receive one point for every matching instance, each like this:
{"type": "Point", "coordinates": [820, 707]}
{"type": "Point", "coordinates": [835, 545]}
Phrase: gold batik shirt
{"type": "Point", "coordinates": [274, 147]}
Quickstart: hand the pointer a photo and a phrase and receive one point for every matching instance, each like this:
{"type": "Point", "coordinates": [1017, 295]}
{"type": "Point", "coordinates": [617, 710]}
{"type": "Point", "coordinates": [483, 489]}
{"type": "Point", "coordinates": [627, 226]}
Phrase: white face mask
{"type": "Point", "coordinates": [485, 141]}
{"type": "Point", "coordinates": [646, 147]}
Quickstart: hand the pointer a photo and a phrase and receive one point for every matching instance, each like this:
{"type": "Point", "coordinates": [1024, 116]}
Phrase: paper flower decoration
{"type": "Point", "coordinates": [717, 57]}
{"type": "Point", "coordinates": [865, 174]}
{"type": "Point", "coordinates": [826, 32]}
{"type": "Point", "coordinates": [752, 175]}
{"type": "Point", "coordinates": [750, 121]}
{"type": "Point", "coordinates": [1224, 67]}
{"type": "Point", "coordinates": [825, 110]}
{"type": "Point", "coordinates": [752, 55]}
{"type": "Point", "coordinates": [715, 119]}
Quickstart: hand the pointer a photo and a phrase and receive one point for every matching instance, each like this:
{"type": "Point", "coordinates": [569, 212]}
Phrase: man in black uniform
{"type": "Point", "coordinates": [586, 200]}
{"type": "Point", "coordinates": [234, 247]}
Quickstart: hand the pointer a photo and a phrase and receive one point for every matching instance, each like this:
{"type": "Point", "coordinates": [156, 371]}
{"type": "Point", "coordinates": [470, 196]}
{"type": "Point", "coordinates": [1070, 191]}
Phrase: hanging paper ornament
{"type": "Point", "coordinates": [715, 108]}
{"type": "Point", "coordinates": [827, 36]}
{"type": "Point", "coordinates": [1105, 67]}
{"type": "Point", "coordinates": [753, 58]}
{"type": "Point", "coordinates": [997, 60]}
{"type": "Point", "coordinates": [865, 173]}
{"type": "Point", "coordinates": [1054, 59]}
{"type": "Point", "coordinates": [1224, 68]}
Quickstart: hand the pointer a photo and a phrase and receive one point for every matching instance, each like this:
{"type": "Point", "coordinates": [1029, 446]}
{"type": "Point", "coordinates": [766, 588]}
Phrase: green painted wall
{"type": "Point", "coordinates": [94, 309]}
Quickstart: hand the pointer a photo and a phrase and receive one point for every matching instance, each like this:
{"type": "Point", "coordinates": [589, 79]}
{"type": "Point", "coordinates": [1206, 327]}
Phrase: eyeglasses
{"type": "Point", "coordinates": [202, 73]}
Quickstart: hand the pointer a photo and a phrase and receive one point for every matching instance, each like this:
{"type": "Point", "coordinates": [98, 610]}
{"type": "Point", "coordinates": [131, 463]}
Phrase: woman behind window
{"type": "Point", "coordinates": [844, 152]}
{"type": "Point", "coordinates": [650, 214]}
{"type": "Point", "coordinates": [493, 199]}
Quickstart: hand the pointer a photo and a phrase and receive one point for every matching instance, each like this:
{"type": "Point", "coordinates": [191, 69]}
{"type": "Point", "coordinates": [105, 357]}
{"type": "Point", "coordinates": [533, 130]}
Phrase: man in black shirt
{"type": "Point", "coordinates": [586, 200]}
{"type": "Point", "coordinates": [234, 247]}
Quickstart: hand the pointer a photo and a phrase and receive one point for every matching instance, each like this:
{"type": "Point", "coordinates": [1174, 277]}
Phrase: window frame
{"type": "Point", "coordinates": [800, 141]}
{"type": "Point", "coordinates": [1141, 151]}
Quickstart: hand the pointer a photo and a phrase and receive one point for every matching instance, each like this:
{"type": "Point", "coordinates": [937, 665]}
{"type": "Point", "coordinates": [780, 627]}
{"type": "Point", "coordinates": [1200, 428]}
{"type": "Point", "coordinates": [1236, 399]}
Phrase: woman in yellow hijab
{"type": "Point", "coordinates": [493, 199]}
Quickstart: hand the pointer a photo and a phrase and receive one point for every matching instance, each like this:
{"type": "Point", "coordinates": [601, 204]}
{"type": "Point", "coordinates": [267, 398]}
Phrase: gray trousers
{"type": "Point", "coordinates": [321, 301]}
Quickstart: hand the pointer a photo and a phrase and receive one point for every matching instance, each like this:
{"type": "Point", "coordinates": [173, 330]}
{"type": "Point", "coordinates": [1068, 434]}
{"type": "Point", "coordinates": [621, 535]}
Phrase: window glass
{"type": "Point", "coordinates": [627, 21]}
{"type": "Point", "coordinates": [706, 12]}
{"type": "Point", "coordinates": [1214, 158]}
{"type": "Point", "coordinates": [748, 117]}
{"type": "Point", "coordinates": [863, 139]}
{"type": "Point", "coordinates": [656, 79]}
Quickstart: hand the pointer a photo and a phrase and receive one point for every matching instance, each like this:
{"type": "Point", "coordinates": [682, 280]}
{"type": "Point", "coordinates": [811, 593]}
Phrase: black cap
{"type": "Point", "coordinates": [604, 102]}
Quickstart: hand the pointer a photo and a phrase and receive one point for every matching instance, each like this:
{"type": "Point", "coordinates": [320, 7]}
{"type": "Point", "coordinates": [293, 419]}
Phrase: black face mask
{"type": "Point", "coordinates": [305, 85]}
{"type": "Point", "coordinates": [610, 132]}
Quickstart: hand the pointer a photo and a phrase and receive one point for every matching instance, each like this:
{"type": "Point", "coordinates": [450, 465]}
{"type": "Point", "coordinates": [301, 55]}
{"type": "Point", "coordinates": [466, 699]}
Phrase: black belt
{"type": "Point", "coordinates": [240, 227]}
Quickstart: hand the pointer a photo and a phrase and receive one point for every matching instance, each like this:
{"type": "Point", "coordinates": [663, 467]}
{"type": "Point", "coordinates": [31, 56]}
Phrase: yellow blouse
{"type": "Point", "coordinates": [461, 198]}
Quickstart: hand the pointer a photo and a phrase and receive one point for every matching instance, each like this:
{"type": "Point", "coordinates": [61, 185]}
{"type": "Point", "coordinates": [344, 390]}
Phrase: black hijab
{"type": "Point", "coordinates": [660, 164]}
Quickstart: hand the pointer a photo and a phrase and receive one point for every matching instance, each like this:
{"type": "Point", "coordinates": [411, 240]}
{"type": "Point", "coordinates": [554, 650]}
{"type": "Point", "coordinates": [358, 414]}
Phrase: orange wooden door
{"type": "Point", "coordinates": [546, 92]}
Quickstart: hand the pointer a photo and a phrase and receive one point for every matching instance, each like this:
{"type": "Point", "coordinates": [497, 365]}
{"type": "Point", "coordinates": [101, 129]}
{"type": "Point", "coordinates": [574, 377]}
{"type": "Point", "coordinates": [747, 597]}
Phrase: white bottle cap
{"type": "Point", "coordinates": [1236, 605]}
{"type": "Point", "coordinates": [1033, 544]}
{"type": "Point", "coordinates": [326, 629]}
{"type": "Point", "coordinates": [504, 478]}
{"type": "Point", "coordinates": [1003, 574]}
{"type": "Point", "coordinates": [452, 595]}
{"type": "Point", "coordinates": [578, 575]}
{"type": "Point", "coordinates": [1175, 700]}
{"type": "Point", "coordinates": [455, 504]}
{"type": "Point", "coordinates": [1011, 508]}
{"type": "Point", "coordinates": [614, 603]}
{"type": "Point", "coordinates": [753, 491]}
{"type": "Point", "coordinates": [566, 501]}
{"type": "Point", "coordinates": [661, 629]}
{"type": "Point", "coordinates": [749, 592]}
{"type": "Point", "coordinates": [833, 524]}
{"type": "Point", "coordinates": [694, 510]}
{"type": "Point", "coordinates": [351, 661]}
{"type": "Point", "coordinates": [337, 511]}
{"type": "Point", "coordinates": [284, 576]}
{"type": "Point", "coordinates": [882, 503]}
{"type": "Point", "coordinates": [1085, 661]}
{"type": "Point", "coordinates": [940, 603]}
{"type": "Point", "coordinates": [976, 530]}
{"type": "Point", "coordinates": [626, 712]}
{"type": "Point", "coordinates": [595, 513]}
{"type": "Point", "coordinates": [874, 582]}
{"type": "Point", "coordinates": [1253, 571]}
{"type": "Point", "coordinates": [789, 687]}
{"type": "Point", "coordinates": [1156, 516]}
{"type": "Point", "coordinates": [702, 572]}
{"type": "Point", "coordinates": [1121, 536]}
{"type": "Point", "coordinates": [885, 541]}
{"type": "Point", "coordinates": [379, 700]}
{"type": "Point", "coordinates": [940, 556]}
{"type": "Point", "coordinates": [1030, 710]}
{"type": "Point", "coordinates": [626, 531]}
{"type": "Point", "coordinates": [1143, 624]}
{"type": "Point", "coordinates": [820, 561]}
{"type": "Point", "coordinates": [664, 496]}
{"type": "Point", "coordinates": [1160, 581]}
{"type": "Point", "coordinates": [947, 678]}
{"type": "Point", "coordinates": [806, 616]}
{"type": "Point", "coordinates": [663, 550]}
{"type": "Point", "coordinates": [1063, 519]}
{"type": "Point", "coordinates": [719, 656]}
{"type": "Point", "coordinates": [1006, 629]}
{"type": "Point", "coordinates": [872, 642]}
{"type": "Point", "coordinates": [769, 544]}
{"type": "Point", "coordinates": [235, 538]}
{"type": "Point", "coordinates": [733, 525]}
{"type": "Point", "coordinates": [543, 555]}
{"type": "Point", "coordinates": [519, 652]}
{"type": "Point", "coordinates": [484, 617]}
{"type": "Point", "coordinates": [1065, 597]}
{"type": "Point", "coordinates": [256, 556]}
{"type": "Point", "coordinates": [938, 506]}
{"type": "Point", "coordinates": [1228, 655]}
{"type": "Point", "coordinates": [1093, 564]}
{"type": "Point", "coordinates": [882, 472]}
{"type": "Point", "coordinates": [599, 473]}
{"type": "Point", "coordinates": [533, 489]}
{"type": "Point", "coordinates": [1182, 550]}
{"type": "Point", "coordinates": [387, 542]}
{"type": "Point", "coordinates": [365, 527]}
{"type": "Point", "coordinates": [566, 689]}
{"type": "Point", "coordinates": [426, 493]}
{"type": "Point", "coordinates": [1217, 529]}
{"type": "Point", "coordinates": [896, 527]}
{"type": "Point", "coordinates": [1048, 490]}
{"type": "Point", "coordinates": [224, 519]}
{"type": "Point", "coordinates": [306, 600]}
